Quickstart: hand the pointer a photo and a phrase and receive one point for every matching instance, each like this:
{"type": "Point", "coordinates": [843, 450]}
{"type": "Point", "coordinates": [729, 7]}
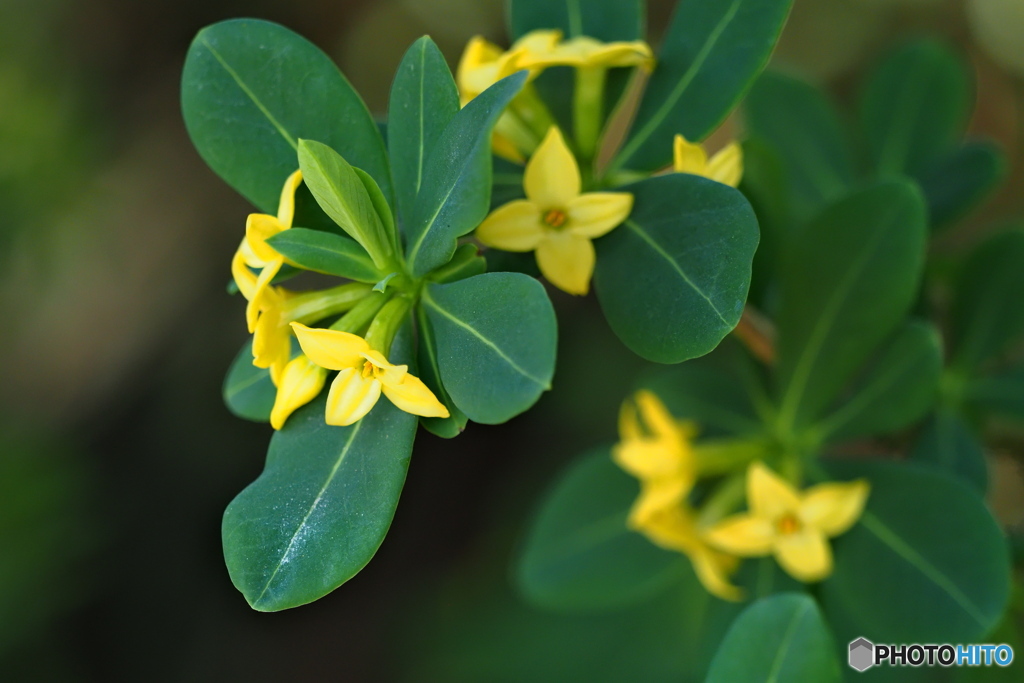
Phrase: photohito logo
{"type": "Point", "coordinates": [864, 654]}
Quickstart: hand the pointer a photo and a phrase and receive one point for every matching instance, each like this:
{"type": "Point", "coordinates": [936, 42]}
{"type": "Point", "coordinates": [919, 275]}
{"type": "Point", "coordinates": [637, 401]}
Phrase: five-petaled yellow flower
{"type": "Point", "coordinates": [792, 526]}
{"type": "Point", "coordinates": [725, 167]}
{"type": "Point", "coordinates": [556, 219]}
{"type": "Point", "coordinates": [363, 375]}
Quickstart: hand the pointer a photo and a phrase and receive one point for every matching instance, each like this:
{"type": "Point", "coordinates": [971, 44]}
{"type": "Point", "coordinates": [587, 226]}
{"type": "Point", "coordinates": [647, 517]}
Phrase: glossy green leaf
{"type": "Point", "coordinates": [466, 262]}
{"type": "Point", "coordinates": [896, 389]}
{"type": "Point", "coordinates": [962, 180]}
{"type": "Point", "coordinates": [251, 89]}
{"type": "Point", "coordinates": [423, 101]}
{"type": "Point", "coordinates": [914, 108]}
{"type": "Point", "coordinates": [325, 252]}
{"type": "Point", "coordinates": [579, 555]}
{"type": "Point", "coordinates": [248, 391]}
{"type": "Point", "coordinates": [780, 638]}
{"type": "Point", "coordinates": [926, 563]}
{"type": "Point", "coordinates": [496, 340]}
{"type": "Point", "coordinates": [455, 194]}
{"type": "Point", "coordinates": [804, 128]}
{"type": "Point", "coordinates": [606, 20]}
{"type": "Point", "coordinates": [948, 443]}
{"type": "Point", "coordinates": [430, 373]}
{"type": "Point", "coordinates": [1001, 393]}
{"type": "Point", "coordinates": [987, 312]}
{"type": "Point", "coordinates": [673, 278]}
{"type": "Point", "coordinates": [851, 275]}
{"type": "Point", "coordinates": [711, 54]}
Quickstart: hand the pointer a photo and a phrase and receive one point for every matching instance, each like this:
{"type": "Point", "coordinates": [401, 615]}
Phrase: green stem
{"type": "Point", "coordinates": [386, 323]}
{"type": "Point", "coordinates": [356, 320]}
{"type": "Point", "coordinates": [724, 500]}
{"type": "Point", "coordinates": [727, 455]}
{"type": "Point", "coordinates": [310, 307]}
{"type": "Point", "coordinates": [530, 109]}
{"type": "Point", "coordinates": [517, 132]}
{"type": "Point", "coordinates": [588, 109]}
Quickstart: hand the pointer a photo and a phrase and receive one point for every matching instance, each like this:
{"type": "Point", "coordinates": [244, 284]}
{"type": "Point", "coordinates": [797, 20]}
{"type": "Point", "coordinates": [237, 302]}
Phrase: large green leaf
{"type": "Point", "coordinates": [850, 277]}
{"type": "Point", "coordinates": [711, 54]}
{"type": "Point", "coordinates": [248, 391]}
{"type": "Point", "coordinates": [251, 89]}
{"type": "Point", "coordinates": [456, 190]}
{"type": "Point", "coordinates": [803, 127]}
{"type": "Point", "coordinates": [496, 337]}
{"type": "Point", "coordinates": [606, 20]}
{"type": "Point", "coordinates": [579, 554]}
{"type": "Point", "coordinates": [326, 252]}
{"type": "Point", "coordinates": [423, 101]}
{"type": "Point", "coordinates": [961, 180]}
{"type": "Point", "coordinates": [1001, 393]}
{"type": "Point", "coordinates": [672, 279]}
{"type": "Point", "coordinates": [914, 108]}
{"type": "Point", "coordinates": [926, 563]}
{"type": "Point", "coordinates": [898, 387]}
{"type": "Point", "coordinates": [948, 443]}
{"type": "Point", "coordinates": [780, 638]}
{"type": "Point", "coordinates": [987, 315]}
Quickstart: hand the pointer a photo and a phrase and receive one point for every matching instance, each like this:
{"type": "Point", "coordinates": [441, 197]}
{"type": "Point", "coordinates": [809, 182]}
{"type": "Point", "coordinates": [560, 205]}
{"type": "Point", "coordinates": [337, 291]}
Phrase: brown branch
{"type": "Point", "coordinates": [757, 333]}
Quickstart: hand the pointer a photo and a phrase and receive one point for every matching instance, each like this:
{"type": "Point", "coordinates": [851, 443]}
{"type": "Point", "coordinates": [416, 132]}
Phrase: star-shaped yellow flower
{"type": "Point", "coordinates": [556, 219]}
{"type": "Point", "coordinates": [725, 167]}
{"type": "Point", "coordinates": [792, 526]}
{"type": "Point", "coordinates": [363, 375]}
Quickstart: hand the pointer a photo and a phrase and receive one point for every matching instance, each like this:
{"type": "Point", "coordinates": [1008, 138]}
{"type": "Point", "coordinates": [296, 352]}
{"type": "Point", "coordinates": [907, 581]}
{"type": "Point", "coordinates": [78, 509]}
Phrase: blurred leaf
{"type": "Point", "coordinates": [579, 554]}
{"type": "Point", "coordinates": [455, 194]}
{"type": "Point", "coordinates": [766, 184]}
{"type": "Point", "coordinates": [251, 89]}
{"type": "Point", "coordinates": [781, 638]}
{"type": "Point", "coordinates": [851, 275]}
{"type": "Point", "coordinates": [455, 423]}
{"type": "Point", "coordinates": [1001, 393]}
{"type": "Point", "coordinates": [914, 108]}
{"type": "Point", "coordinates": [710, 56]}
{"type": "Point", "coordinates": [926, 563]}
{"type": "Point", "coordinates": [248, 391]}
{"type": "Point", "coordinates": [987, 314]}
{"type": "Point", "coordinates": [673, 278]}
{"type": "Point", "coordinates": [605, 20]}
{"type": "Point", "coordinates": [325, 252]}
{"type": "Point", "coordinates": [949, 444]}
{"type": "Point", "coordinates": [802, 125]}
{"type": "Point", "coordinates": [424, 100]}
{"type": "Point", "coordinates": [496, 338]}
{"type": "Point", "coordinates": [961, 180]}
{"type": "Point", "coordinates": [898, 387]}
{"type": "Point", "coordinates": [507, 178]}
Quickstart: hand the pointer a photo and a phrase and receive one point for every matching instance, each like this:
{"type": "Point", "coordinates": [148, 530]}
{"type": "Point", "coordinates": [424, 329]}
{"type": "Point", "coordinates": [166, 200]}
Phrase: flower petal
{"type": "Point", "coordinates": [552, 177]}
{"type": "Point", "coordinates": [567, 261]}
{"type": "Point", "coordinates": [536, 47]}
{"type": "Point", "coordinates": [688, 157]}
{"type": "Point", "coordinates": [351, 397]}
{"type": "Point", "coordinates": [331, 349]}
{"type": "Point", "coordinates": [658, 497]}
{"type": "Point", "coordinates": [727, 166]}
{"type": "Point", "coordinates": [768, 495]}
{"type": "Point", "coordinates": [672, 528]}
{"type": "Point", "coordinates": [804, 555]}
{"type": "Point", "coordinates": [300, 382]}
{"type": "Point", "coordinates": [834, 507]}
{"type": "Point", "coordinates": [597, 213]}
{"type": "Point", "coordinates": [629, 425]}
{"type": "Point", "coordinates": [743, 534]}
{"type": "Point", "coordinates": [286, 206]}
{"type": "Point", "coordinates": [515, 226]}
{"type": "Point", "coordinates": [259, 227]}
{"type": "Point", "coordinates": [712, 570]}
{"type": "Point", "coordinates": [413, 396]}
{"type": "Point", "coordinates": [655, 415]}
{"type": "Point", "coordinates": [263, 293]}
{"type": "Point", "coordinates": [271, 342]}
{"type": "Point", "coordinates": [244, 278]}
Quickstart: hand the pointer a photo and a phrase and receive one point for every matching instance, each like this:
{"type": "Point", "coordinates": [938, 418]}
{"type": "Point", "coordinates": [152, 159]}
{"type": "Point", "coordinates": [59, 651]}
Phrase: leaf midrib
{"type": "Point", "coordinates": [784, 645]}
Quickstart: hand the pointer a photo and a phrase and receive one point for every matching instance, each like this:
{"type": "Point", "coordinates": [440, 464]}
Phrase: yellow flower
{"type": "Point", "coordinates": [791, 525]}
{"type": "Point", "coordinates": [483, 63]}
{"type": "Point", "coordinates": [300, 382]}
{"type": "Point", "coordinates": [363, 375]}
{"type": "Point", "coordinates": [555, 219]}
{"type": "Point", "coordinates": [725, 167]}
{"type": "Point", "coordinates": [586, 52]}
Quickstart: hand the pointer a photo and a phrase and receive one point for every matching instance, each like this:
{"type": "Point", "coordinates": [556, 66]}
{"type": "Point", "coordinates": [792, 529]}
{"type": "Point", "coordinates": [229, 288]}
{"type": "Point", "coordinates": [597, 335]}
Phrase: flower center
{"type": "Point", "coordinates": [788, 524]}
{"type": "Point", "coordinates": [369, 370]}
{"type": "Point", "coordinates": [555, 218]}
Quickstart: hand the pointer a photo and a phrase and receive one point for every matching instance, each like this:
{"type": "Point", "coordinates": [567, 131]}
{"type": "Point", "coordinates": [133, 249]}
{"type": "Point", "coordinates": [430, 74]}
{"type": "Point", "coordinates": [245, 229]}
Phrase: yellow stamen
{"type": "Point", "coordinates": [555, 218]}
{"type": "Point", "coordinates": [788, 525]}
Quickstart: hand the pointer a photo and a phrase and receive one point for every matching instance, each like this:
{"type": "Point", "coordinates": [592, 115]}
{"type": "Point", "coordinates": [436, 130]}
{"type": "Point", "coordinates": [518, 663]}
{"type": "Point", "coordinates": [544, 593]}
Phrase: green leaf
{"type": "Point", "coordinates": [455, 194]}
{"type": "Point", "coordinates": [430, 373]}
{"type": "Point", "coordinates": [325, 252]}
{"type": "Point", "coordinates": [711, 54]}
{"type": "Point", "coordinates": [466, 262]}
{"type": "Point", "coordinates": [948, 443]}
{"type": "Point", "coordinates": [963, 179]}
{"type": "Point", "coordinates": [803, 127]}
{"type": "Point", "coordinates": [780, 638]}
{"type": "Point", "coordinates": [914, 108]}
{"type": "Point", "coordinates": [851, 276]}
{"type": "Point", "coordinates": [248, 391]}
{"type": "Point", "coordinates": [496, 338]}
{"type": "Point", "coordinates": [605, 20]}
{"type": "Point", "coordinates": [251, 89]}
{"type": "Point", "coordinates": [423, 101]}
{"type": "Point", "coordinates": [987, 315]}
{"type": "Point", "coordinates": [1001, 393]}
{"type": "Point", "coordinates": [896, 389]}
{"type": "Point", "coordinates": [342, 195]}
{"type": "Point", "coordinates": [579, 554]}
{"type": "Point", "coordinates": [926, 563]}
{"type": "Point", "coordinates": [673, 278]}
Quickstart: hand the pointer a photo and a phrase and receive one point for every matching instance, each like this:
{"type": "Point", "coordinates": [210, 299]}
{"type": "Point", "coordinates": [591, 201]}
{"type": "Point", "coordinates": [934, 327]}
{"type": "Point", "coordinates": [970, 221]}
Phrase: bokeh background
{"type": "Point", "coordinates": [117, 456]}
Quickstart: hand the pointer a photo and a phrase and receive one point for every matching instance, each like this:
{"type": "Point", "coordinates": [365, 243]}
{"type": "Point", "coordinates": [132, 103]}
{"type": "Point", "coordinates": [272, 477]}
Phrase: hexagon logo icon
{"type": "Point", "coordinates": [862, 654]}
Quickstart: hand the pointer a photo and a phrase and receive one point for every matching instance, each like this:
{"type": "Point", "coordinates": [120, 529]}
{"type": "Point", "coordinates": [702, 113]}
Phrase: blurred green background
{"type": "Point", "coordinates": [117, 456]}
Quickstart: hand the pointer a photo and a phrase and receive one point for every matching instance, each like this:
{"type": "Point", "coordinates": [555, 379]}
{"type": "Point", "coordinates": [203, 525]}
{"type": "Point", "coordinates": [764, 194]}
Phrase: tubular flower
{"type": "Point", "coordinates": [363, 374]}
{"type": "Point", "coordinates": [586, 52]}
{"type": "Point", "coordinates": [792, 526]}
{"type": "Point", "coordinates": [556, 219]}
{"type": "Point", "coordinates": [725, 167]}
{"type": "Point", "coordinates": [299, 383]}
